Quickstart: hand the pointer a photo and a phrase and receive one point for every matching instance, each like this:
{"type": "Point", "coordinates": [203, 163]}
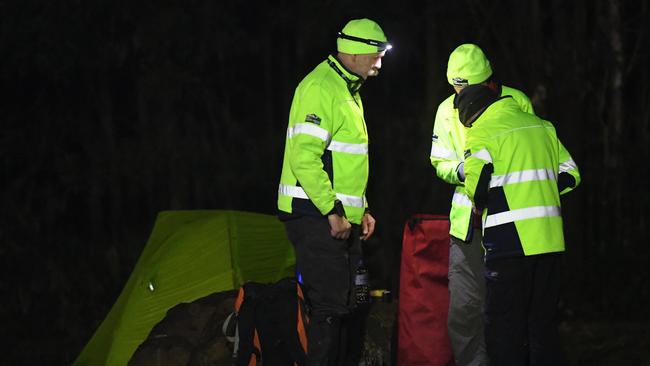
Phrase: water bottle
{"type": "Point", "coordinates": [361, 284]}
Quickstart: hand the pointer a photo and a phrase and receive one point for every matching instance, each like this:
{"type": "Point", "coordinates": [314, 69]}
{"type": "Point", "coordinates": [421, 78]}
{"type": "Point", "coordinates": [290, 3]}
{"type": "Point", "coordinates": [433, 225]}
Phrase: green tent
{"type": "Point", "coordinates": [190, 254]}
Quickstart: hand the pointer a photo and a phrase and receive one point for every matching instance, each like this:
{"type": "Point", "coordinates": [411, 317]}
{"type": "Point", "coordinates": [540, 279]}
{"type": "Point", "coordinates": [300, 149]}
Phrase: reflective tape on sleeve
{"type": "Point", "coordinates": [353, 201]}
{"type": "Point", "coordinates": [484, 155]}
{"type": "Point", "coordinates": [308, 129]}
{"type": "Point", "coordinates": [568, 166]}
{"type": "Point", "coordinates": [344, 147]}
{"type": "Point", "coordinates": [442, 153]}
{"type": "Point", "coordinates": [461, 199]}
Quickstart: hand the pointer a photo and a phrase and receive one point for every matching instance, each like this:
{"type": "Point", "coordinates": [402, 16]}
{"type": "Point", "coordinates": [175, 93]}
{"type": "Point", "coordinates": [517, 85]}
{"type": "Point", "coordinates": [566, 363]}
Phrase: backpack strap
{"type": "Point", "coordinates": [302, 318]}
{"type": "Point", "coordinates": [249, 352]}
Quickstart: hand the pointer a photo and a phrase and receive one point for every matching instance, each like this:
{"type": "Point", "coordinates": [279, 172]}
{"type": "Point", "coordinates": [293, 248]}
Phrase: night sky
{"type": "Point", "coordinates": [113, 111]}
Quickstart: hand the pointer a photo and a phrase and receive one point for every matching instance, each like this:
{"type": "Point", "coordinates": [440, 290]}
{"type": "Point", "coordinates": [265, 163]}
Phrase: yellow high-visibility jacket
{"type": "Point", "coordinates": [515, 169]}
{"type": "Point", "coordinates": [326, 147]}
{"type": "Point", "coordinates": [447, 148]}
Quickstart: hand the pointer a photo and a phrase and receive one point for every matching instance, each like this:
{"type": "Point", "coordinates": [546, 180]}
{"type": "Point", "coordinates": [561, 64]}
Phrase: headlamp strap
{"type": "Point", "coordinates": [381, 45]}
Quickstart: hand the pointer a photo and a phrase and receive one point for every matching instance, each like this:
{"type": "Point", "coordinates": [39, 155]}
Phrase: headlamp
{"type": "Point", "coordinates": [381, 46]}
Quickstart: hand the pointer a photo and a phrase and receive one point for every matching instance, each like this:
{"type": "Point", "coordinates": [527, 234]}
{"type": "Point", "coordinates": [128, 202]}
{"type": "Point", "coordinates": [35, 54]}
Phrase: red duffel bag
{"type": "Point", "coordinates": [423, 294]}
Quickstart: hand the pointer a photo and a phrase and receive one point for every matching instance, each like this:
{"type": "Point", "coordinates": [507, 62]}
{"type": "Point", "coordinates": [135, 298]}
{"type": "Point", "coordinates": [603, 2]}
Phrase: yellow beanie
{"type": "Point", "coordinates": [362, 36]}
{"type": "Point", "coordinates": [468, 66]}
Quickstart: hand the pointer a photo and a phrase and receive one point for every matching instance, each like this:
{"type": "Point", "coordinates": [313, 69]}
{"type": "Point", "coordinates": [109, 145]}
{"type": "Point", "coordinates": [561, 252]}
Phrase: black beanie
{"type": "Point", "coordinates": [472, 99]}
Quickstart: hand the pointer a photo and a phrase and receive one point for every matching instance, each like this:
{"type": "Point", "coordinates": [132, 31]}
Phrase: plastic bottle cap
{"type": "Point", "coordinates": [378, 293]}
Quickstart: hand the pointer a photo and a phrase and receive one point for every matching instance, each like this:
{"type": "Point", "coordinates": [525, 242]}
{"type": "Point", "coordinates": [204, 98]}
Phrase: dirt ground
{"type": "Point", "coordinates": [606, 343]}
{"type": "Point", "coordinates": [191, 334]}
{"type": "Point", "coordinates": [586, 343]}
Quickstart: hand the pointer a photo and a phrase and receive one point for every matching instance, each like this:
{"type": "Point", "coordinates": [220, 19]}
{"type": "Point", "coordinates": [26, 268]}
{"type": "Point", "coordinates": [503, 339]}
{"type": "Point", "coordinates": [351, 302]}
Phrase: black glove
{"type": "Point", "coordinates": [564, 181]}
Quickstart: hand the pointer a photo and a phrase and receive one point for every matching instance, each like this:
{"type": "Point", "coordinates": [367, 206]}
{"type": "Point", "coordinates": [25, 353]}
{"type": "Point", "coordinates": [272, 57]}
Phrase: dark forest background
{"type": "Point", "coordinates": [113, 111]}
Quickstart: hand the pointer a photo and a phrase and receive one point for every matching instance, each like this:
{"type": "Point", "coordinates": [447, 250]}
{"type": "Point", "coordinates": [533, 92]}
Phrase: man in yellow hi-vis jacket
{"type": "Point", "coordinates": [515, 170]}
{"type": "Point", "coordinates": [467, 66]}
{"type": "Point", "coordinates": [321, 197]}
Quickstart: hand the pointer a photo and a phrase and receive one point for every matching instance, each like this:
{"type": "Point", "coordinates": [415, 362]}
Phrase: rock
{"type": "Point", "coordinates": [190, 335]}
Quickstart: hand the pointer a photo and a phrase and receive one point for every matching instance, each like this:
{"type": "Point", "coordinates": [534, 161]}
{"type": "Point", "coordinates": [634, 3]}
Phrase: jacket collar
{"type": "Point", "coordinates": [352, 80]}
{"type": "Point", "coordinates": [505, 101]}
{"type": "Point", "coordinates": [493, 84]}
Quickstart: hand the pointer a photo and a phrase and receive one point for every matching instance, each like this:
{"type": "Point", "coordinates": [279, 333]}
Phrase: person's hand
{"type": "Point", "coordinates": [339, 226]}
{"type": "Point", "coordinates": [367, 226]}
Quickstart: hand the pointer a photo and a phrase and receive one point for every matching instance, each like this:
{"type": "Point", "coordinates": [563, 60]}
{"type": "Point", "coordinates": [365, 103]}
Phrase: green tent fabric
{"type": "Point", "coordinates": [190, 254]}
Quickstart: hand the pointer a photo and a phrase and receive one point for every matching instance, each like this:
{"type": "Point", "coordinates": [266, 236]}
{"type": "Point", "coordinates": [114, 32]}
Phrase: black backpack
{"type": "Point", "coordinates": [271, 320]}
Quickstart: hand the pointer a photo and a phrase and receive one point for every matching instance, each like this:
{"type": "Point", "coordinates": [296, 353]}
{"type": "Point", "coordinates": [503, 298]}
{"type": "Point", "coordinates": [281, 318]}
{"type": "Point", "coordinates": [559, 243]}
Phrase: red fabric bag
{"type": "Point", "coordinates": [423, 294]}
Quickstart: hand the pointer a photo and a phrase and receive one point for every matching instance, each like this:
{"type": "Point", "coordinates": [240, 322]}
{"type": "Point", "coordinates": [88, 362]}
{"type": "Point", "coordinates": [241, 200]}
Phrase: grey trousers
{"type": "Point", "coordinates": [466, 298]}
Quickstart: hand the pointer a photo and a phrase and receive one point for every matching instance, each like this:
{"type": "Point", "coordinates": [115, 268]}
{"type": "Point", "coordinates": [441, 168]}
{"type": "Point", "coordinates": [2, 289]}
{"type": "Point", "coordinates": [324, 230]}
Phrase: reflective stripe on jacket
{"type": "Point", "coordinates": [326, 147]}
{"type": "Point", "coordinates": [512, 172]}
{"type": "Point", "coordinates": [447, 148]}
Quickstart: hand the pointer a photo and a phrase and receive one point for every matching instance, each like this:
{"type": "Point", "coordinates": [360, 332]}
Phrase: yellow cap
{"type": "Point", "coordinates": [362, 36]}
{"type": "Point", "coordinates": [468, 66]}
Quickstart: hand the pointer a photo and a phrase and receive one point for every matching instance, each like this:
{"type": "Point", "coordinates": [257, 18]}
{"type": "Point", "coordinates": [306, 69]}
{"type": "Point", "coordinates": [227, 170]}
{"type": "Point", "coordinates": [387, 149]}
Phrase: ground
{"type": "Point", "coordinates": [191, 335]}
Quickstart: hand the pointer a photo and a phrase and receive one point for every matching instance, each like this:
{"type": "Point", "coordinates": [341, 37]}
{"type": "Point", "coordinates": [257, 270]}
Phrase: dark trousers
{"type": "Point", "coordinates": [327, 266]}
{"type": "Point", "coordinates": [521, 310]}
